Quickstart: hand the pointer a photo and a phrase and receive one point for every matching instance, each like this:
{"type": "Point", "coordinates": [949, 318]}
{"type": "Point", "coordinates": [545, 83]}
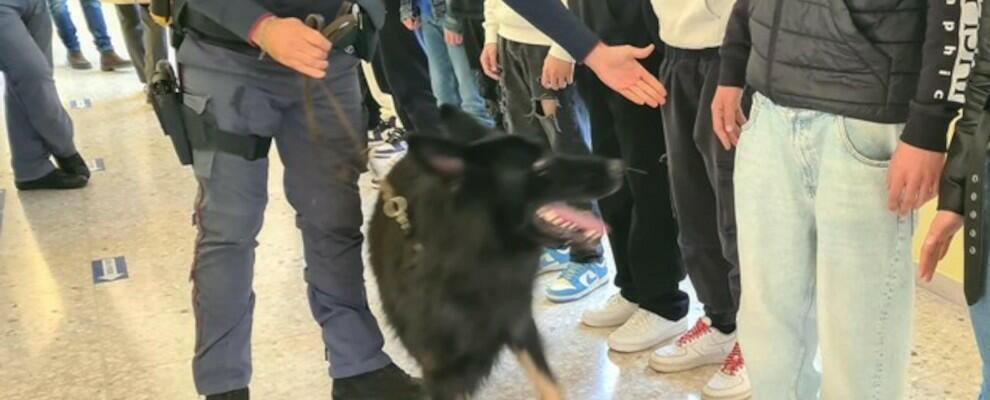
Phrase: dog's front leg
{"type": "Point", "coordinates": [528, 348]}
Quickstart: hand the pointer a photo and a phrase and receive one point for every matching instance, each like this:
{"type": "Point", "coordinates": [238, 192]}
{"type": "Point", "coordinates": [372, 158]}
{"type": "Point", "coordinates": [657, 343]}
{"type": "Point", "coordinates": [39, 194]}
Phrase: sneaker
{"type": "Point", "coordinates": [614, 312]}
{"type": "Point", "coordinates": [702, 345]}
{"type": "Point", "coordinates": [78, 61]}
{"type": "Point", "coordinates": [577, 280]}
{"type": "Point", "coordinates": [390, 383]}
{"type": "Point", "coordinates": [241, 394]}
{"type": "Point", "coordinates": [383, 157]}
{"type": "Point", "coordinates": [644, 330]}
{"type": "Point", "coordinates": [110, 61]}
{"type": "Point", "coordinates": [731, 382]}
{"type": "Point", "coordinates": [553, 260]}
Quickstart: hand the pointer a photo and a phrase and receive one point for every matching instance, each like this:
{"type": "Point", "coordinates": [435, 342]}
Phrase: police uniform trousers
{"type": "Point", "coordinates": [247, 96]}
{"type": "Point", "coordinates": [37, 125]}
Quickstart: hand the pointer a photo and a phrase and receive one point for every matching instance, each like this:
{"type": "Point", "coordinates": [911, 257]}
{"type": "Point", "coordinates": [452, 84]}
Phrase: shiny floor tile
{"type": "Point", "coordinates": [62, 337]}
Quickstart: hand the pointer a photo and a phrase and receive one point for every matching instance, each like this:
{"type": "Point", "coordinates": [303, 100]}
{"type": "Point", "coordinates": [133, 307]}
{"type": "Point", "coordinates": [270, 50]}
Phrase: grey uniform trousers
{"type": "Point", "coordinates": [147, 42]}
{"type": "Point", "coordinates": [245, 95]}
{"type": "Point", "coordinates": [37, 124]}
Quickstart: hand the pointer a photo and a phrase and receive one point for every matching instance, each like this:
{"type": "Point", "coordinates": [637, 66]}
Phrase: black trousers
{"type": "Point", "coordinates": [401, 66]}
{"type": "Point", "coordinates": [643, 229]}
{"type": "Point", "coordinates": [701, 178]}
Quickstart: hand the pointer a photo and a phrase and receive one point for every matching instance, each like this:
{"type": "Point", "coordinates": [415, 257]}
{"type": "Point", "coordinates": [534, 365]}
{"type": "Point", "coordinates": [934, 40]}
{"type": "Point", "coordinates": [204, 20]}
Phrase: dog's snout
{"type": "Point", "coordinates": [616, 168]}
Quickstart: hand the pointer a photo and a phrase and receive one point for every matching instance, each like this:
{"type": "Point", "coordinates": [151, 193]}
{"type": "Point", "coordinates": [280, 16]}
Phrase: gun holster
{"type": "Point", "coordinates": [167, 101]}
{"type": "Point", "coordinates": [189, 129]}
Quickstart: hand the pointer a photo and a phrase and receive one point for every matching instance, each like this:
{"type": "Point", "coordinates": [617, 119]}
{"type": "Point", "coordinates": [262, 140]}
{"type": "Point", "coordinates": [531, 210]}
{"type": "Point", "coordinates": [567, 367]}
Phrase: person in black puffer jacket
{"type": "Point", "coordinates": [844, 141]}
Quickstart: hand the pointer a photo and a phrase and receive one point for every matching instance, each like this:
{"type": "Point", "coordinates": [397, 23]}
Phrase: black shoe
{"type": "Point", "coordinates": [78, 61]}
{"type": "Point", "coordinates": [241, 394]}
{"type": "Point", "coordinates": [73, 164]}
{"type": "Point", "coordinates": [56, 180]}
{"type": "Point", "coordinates": [389, 383]}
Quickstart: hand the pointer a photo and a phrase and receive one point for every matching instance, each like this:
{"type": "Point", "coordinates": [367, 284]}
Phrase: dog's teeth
{"type": "Point", "coordinates": [549, 214]}
{"type": "Point", "coordinates": [557, 221]}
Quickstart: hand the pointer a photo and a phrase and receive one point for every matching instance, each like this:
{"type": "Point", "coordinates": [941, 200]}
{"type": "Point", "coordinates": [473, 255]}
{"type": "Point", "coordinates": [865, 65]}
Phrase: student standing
{"type": "Point", "coordinates": [650, 308]}
{"type": "Point", "coordinates": [109, 60]}
{"type": "Point", "coordinates": [964, 196]}
{"type": "Point", "coordinates": [846, 138]}
{"type": "Point", "coordinates": [540, 101]}
{"type": "Point", "coordinates": [701, 187]}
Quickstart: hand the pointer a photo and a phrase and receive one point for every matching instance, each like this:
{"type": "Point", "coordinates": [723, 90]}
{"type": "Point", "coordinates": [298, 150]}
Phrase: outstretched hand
{"type": "Point", "coordinates": [619, 68]}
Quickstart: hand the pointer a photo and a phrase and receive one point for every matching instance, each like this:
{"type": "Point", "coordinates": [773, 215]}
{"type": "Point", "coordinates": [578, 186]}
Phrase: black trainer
{"type": "Point", "coordinates": [56, 180]}
{"type": "Point", "coordinates": [73, 164]}
{"type": "Point", "coordinates": [389, 383]}
{"type": "Point", "coordinates": [240, 394]}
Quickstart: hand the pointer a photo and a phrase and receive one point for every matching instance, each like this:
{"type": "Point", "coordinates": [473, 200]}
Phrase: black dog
{"type": "Point", "coordinates": [455, 244]}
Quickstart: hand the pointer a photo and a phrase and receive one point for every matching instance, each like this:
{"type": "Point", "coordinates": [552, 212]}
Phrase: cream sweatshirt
{"type": "Point", "coordinates": [502, 21]}
{"type": "Point", "coordinates": [693, 24]}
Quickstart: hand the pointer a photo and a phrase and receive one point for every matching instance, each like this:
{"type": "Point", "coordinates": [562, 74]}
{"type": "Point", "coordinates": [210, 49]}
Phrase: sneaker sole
{"type": "Point", "coordinates": [610, 324]}
{"type": "Point", "coordinates": [674, 368]}
{"type": "Point", "coordinates": [548, 270]}
{"type": "Point", "coordinates": [579, 295]}
{"type": "Point", "coordinates": [742, 396]}
{"type": "Point", "coordinates": [636, 348]}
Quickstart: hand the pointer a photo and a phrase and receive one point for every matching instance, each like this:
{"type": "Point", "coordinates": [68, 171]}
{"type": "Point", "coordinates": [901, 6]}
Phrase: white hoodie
{"type": "Point", "coordinates": [500, 20]}
{"type": "Point", "coordinates": [693, 24]}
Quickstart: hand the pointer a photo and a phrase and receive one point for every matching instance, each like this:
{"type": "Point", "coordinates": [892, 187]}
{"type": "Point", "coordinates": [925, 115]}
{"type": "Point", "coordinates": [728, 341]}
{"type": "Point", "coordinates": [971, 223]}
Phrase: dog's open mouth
{"type": "Point", "coordinates": [569, 224]}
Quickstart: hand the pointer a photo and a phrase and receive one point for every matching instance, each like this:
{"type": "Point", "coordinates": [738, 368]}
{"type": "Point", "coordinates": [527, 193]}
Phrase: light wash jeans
{"type": "Point", "coordinates": [453, 80]}
{"type": "Point", "coordinates": [824, 263]}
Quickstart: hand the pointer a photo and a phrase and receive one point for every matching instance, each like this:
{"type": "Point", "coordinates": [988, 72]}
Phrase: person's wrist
{"type": "Point", "coordinates": [594, 56]}
{"type": "Point", "coordinates": [260, 31]}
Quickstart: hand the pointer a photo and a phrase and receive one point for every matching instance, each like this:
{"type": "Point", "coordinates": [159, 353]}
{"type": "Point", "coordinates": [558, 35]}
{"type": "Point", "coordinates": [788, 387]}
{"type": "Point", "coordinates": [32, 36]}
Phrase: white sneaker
{"type": "Point", "coordinates": [614, 312]}
{"type": "Point", "coordinates": [644, 330]}
{"type": "Point", "coordinates": [702, 345]}
{"type": "Point", "coordinates": [731, 382]}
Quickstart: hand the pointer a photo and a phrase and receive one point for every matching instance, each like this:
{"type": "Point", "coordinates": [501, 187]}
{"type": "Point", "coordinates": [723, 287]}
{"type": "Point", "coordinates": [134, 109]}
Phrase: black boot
{"type": "Point", "coordinates": [73, 164]}
{"type": "Point", "coordinates": [389, 383]}
{"type": "Point", "coordinates": [241, 394]}
{"type": "Point", "coordinates": [56, 180]}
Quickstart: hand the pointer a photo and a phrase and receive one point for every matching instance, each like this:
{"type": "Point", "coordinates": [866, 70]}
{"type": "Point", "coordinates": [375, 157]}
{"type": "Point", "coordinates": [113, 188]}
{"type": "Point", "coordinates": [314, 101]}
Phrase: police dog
{"type": "Point", "coordinates": [455, 243]}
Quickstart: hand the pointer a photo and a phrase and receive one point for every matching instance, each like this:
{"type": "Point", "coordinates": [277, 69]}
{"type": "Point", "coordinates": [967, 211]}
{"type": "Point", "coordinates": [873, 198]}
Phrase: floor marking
{"type": "Point", "coordinates": [80, 104]}
{"type": "Point", "coordinates": [109, 270]}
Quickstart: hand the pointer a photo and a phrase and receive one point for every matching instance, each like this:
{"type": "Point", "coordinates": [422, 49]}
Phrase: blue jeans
{"type": "Point", "coordinates": [824, 263]}
{"type": "Point", "coordinates": [452, 78]}
{"type": "Point", "coordinates": [94, 20]}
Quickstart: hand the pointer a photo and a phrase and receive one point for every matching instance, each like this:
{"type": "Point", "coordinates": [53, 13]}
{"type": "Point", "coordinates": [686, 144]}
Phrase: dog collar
{"type": "Point", "coordinates": [396, 207]}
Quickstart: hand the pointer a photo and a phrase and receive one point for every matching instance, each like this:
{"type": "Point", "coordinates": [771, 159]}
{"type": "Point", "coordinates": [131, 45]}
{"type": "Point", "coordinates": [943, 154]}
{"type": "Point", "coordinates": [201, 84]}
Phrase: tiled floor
{"type": "Point", "coordinates": [62, 337]}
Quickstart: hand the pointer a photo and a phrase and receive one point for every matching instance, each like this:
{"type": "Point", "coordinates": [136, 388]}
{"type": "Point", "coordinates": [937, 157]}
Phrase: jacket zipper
{"type": "Point", "coordinates": [775, 28]}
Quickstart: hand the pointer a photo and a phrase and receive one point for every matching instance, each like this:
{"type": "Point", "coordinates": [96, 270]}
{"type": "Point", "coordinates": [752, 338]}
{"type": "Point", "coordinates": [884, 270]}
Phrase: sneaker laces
{"type": "Point", "coordinates": [700, 330]}
{"type": "Point", "coordinates": [573, 271]}
{"type": "Point", "coordinates": [734, 362]}
{"type": "Point", "coordinates": [638, 319]}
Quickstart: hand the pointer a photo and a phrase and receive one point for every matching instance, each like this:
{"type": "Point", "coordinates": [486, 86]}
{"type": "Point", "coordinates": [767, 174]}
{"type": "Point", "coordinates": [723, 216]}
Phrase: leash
{"type": "Point", "coordinates": [393, 205]}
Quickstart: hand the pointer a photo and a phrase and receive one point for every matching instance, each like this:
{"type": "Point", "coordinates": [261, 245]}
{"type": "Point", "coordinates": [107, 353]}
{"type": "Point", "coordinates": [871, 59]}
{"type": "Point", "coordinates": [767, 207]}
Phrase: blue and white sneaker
{"type": "Point", "coordinates": [554, 260]}
{"type": "Point", "coordinates": [577, 281]}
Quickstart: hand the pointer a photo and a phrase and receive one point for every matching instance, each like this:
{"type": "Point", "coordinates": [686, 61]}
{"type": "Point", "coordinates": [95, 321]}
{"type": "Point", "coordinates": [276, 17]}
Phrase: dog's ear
{"type": "Point", "coordinates": [440, 156]}
{"type": "Point", "coordinates": [461, 125]}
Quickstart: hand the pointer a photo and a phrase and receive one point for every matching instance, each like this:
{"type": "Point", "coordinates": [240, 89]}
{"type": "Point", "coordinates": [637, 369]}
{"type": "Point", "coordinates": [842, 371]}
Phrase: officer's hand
{"type": "Point", "coordinates": [489, 61]}
{"type": "Point", "coordinates": [295, 45]}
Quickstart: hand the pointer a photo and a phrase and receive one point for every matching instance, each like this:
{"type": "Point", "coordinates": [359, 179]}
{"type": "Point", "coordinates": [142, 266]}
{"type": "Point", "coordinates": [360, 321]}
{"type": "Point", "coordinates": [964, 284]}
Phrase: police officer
{"type": "Point", "coordinates": [254, 98]}
{"type": "Point", "coordinates": [37, 125]}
